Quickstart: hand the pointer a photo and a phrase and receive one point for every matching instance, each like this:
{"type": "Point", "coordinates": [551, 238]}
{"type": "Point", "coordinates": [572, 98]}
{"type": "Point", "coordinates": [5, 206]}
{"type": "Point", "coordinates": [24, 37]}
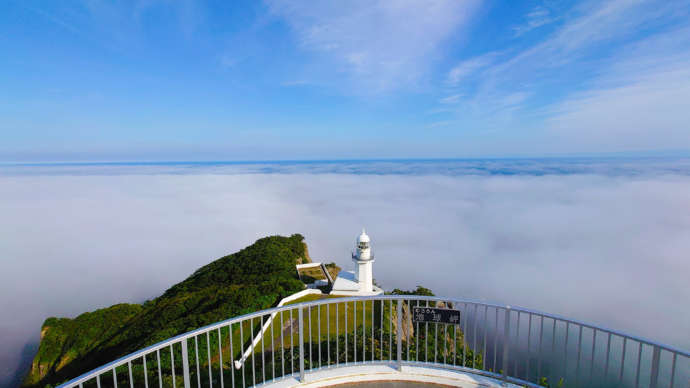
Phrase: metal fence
{"type": "Point", "coordinates": [514, 345]}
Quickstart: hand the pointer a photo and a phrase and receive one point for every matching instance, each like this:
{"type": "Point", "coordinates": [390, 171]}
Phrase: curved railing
{"type": "Point", "coordinates": [510, 344]}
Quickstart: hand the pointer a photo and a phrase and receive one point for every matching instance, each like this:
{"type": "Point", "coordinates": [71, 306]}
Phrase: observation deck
{"type": "Point", "coordinates": [376, 340]}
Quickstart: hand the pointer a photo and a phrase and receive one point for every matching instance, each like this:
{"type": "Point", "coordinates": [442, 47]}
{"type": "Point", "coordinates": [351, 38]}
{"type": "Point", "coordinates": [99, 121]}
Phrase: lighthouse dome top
{"type": "Point", "coordinates": [363, 238]}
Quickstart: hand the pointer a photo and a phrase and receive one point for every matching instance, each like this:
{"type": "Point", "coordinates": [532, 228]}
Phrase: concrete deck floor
{"type": "Point", "coordinates": [385, 376]}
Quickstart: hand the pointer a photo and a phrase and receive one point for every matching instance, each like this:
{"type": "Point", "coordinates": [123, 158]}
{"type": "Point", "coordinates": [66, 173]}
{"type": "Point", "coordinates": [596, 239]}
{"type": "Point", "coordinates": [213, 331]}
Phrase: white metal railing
{"type": "Point", "coordinates": [511, 344]}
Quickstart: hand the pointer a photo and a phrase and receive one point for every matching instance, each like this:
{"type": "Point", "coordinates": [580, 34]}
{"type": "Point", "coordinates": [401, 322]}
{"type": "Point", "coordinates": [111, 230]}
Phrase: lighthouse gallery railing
{"type": "Point", "coordinates": [510, 344]}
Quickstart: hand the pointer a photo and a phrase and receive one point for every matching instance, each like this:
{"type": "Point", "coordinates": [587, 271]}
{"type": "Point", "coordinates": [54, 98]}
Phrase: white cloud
{"type": "Point", "coordinates": [638, 102]}
{"type": "Point", "coordinates": [381, 45]}
{"type": "Point", "coordinates": [605, 84]}
{"type": "Point", "coordinates": [537, 17]}
{"type": "Point", "coordinates": [523, 240]}
{"type": "Point", "coordinates": [466, 68]}
{"type": "Point", "coordinates": [455, 98]}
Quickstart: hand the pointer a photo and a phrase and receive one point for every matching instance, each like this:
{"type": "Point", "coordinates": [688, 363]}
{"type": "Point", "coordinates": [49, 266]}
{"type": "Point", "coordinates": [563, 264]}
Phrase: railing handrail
{"type": "Point", "coordinates": [241, 318]}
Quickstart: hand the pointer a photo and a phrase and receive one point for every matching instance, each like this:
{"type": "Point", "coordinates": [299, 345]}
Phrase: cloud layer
{"type": "Point", "coordinates": [586, 246]}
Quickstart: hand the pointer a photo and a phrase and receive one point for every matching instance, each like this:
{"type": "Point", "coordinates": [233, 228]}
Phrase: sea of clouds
{"type": "Point", "coordinates": [592, 243]}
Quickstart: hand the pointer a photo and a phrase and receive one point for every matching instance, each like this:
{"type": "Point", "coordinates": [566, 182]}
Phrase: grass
{"type": "Point", "coordinates": [322, 322]}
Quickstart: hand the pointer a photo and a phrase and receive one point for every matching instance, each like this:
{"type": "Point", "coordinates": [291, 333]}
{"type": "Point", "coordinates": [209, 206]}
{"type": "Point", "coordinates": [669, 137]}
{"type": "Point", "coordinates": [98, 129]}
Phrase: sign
{"type": "Point", "coordinates": [435, 315]}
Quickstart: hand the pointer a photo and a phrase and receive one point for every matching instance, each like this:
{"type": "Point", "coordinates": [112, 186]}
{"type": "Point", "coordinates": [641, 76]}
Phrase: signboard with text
{"type": "Point", "coordinates": [435, 315]}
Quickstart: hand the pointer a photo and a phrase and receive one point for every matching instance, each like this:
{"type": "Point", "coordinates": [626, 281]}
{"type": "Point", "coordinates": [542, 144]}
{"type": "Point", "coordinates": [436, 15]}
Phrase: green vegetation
{"type": "Point", "coordinates": [422, 291]}
{"type": "Point", "coordinates": [255, 278]}
{"type": "Point", "coordinates": [252, 279]}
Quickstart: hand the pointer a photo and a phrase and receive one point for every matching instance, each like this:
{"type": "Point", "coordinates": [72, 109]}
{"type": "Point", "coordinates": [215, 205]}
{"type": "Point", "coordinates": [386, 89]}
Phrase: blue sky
{"type": "Point", "coordinates": [193, 80]}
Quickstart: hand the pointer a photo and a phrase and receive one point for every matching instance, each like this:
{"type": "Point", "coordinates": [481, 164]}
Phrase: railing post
{"type": "Point", "coordinates": [185, 363]}
{"type": "Point", "coordinates": [400, 334]}
{"type": "Point", "coordinates": [506, 344]}
{"type": "Point", "coordinates": [301, 345]}
{"type": "Point", "coordinates": [655, 367]}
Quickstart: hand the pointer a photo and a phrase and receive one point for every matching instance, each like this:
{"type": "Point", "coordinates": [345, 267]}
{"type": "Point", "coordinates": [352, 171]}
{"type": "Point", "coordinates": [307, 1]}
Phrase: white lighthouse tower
{"type": "Point", "coordinates": [363, 260]}
{"type": "Point", "coordinates": [361, 280]}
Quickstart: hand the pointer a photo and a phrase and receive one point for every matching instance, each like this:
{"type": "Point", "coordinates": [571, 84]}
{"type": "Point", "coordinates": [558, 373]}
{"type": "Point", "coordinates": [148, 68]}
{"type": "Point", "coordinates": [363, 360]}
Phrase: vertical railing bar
{"type": "Point", "coordinates": [354, 331]}
{"type": "Point", "coordinates": [399, 334]}
{"type": "Point", "coordinates": [364, 331]}
{"type": "Point", "coordinates": [653, 379]}
{"type": "Point", "coordinates": [506, 343]}
{"type": "Point", "coordinates": [372, 330]}
{"type": "Point", "coordinates": [185, 363]}
{"type": "Point", "coordinates": [579, 352]}
{"type": "Point", "coordinates": [146, 374]}
{"type": "Point", "coordinates": [318, 326]}
{"type": "Point", "coordinates": [292, 344]}
{"type": "Point", "coordinates": [486, 333]}
{"type": "Point", "coordinates": [263, 353]}
{"type": "Point", "coordinates": [540, 351]}
{"type": "Point", "coordinates": [565, 351]}
{"type": "Point", "coordinates": [464, 337]}
{"type": "Point", "coordinates": [517, 338]}
{"type": "Point", "coordinates": [337, 335]}
{"type": "Point", "coordinates": [529, 345]}
{"type": "Point", "coordinates": [416, 344]}
{"type": "Point", "coordinates": [673, 369]}
{"type": "Point", "coordinates": [455, 343]}
{"type": "Point", "coordinates": [381, 327]}
{"type": "Point", "coordinates": [172, 364]}
{"type": "Point", "coordinates": [251, 333]}
{"type": "Point", "coordinates": [347, 307]}
{"type": "Point", "coordinates": [435, 342]}
{"type": "Point", "coordinates": [620, 376]}
{"type": "Point", "coordinates": [474, 336]}
{"type": "Point", "coordinates": [608, 356]}
{"type": "Point", "coordinates": [445, 344]}
{"type": "Point", "coordinates": [301, 345]}
{"type": "Point", "coordinates": [232, 356]}
{"type": "Point", "coordinates": [131, 378]}
{"type": "Point", "coordinates": [196, 354]}
{"type": "Point", "coordinates": [328, 335]}
{"type": "Point", "coordinates": [390, 329]}
{"type": "Point", "coordinates": [273, 350]}
{"type": "Point", "coordinates": [426, 337]}
{"type": "Point", "coordinates": [244, 378]}
{"type": "Point", "coordinates": [160, 376]}
{"type": "Point", "coordinates": [407, 336]}
{"type": "Point", "coordinates": [553, 337]}
{"type": "Point", "coordinates": [591, 361]}
{"type": "Point", "coordinates": [115, 378]}
{"type": "Point", "coordinates": [282, 343]}
{"type": "Point", "coordinates": [98, 381]}
{"type": "Point", "coordinates": [220, 358]}
{"type": "Point", "coordinates": [309, 328]}
{"type": "Point", "coordinates": [639, 359]}
{"type": "Point", "coordinates": [495, 342]}
{"type": "Point", "coordinates": [208, 358]}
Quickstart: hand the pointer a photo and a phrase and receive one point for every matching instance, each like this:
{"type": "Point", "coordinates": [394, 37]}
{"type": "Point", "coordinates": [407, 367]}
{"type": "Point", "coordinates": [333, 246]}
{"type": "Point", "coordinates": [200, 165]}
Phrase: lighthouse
{"type": "Point", "coordinates": [363, 260]}
{"type": "Point", "coordinates": [359, 282]}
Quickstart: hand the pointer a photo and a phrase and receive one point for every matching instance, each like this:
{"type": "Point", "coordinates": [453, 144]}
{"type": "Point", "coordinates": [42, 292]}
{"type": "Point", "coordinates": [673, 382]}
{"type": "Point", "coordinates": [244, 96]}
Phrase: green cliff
{"type": "Point", "coordinates": [255, 278]}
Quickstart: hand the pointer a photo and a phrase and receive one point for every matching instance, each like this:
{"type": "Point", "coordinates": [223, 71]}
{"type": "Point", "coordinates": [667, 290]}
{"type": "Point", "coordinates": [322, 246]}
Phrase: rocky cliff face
{"type": "Point", "coordinates": [249, 280]}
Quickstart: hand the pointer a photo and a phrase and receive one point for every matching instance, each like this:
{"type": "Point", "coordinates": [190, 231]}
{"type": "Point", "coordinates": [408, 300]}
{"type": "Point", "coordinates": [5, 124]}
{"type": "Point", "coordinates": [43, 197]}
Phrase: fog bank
{"type": "Point", "coordinates": [610, 250]}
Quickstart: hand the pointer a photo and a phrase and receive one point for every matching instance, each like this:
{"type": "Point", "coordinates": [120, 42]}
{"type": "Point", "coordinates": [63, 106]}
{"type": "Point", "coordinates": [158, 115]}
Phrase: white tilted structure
{"type": "Point", "coordinates": [361, 280]}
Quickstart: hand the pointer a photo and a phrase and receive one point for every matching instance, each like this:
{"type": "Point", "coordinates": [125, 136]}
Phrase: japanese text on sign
{"type": "Point", "coordinates": [429, 314]}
